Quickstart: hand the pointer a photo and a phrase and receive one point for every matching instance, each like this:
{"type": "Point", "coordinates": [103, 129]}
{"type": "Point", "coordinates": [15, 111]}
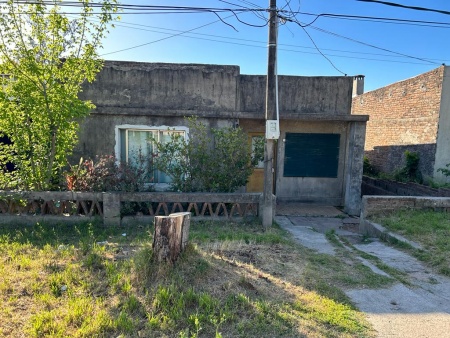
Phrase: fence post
{"type": "Point", "coordinates": [111, 209]}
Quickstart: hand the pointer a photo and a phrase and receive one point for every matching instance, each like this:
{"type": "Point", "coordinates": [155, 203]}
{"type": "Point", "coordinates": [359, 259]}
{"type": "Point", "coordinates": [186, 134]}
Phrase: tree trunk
{"type": "Point", "coordinates": [171, 236]}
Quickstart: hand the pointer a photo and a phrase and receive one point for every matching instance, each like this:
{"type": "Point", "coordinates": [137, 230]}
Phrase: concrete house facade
{"type": "Point", "coordinates": [320, 150]}
{"type": "Point", "coordinates": [412, 115]}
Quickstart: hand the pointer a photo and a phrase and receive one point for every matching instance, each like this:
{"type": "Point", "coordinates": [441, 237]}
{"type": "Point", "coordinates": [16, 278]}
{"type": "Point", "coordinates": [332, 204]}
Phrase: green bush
{"type": "Point", "coordinates": [445, 171]}
{"type": "Point", "coordinates": [368, 168]}
{"type": "Point", "coordinates": [221, 163]}
{"type": "Point", "coordinates": [410, 172]}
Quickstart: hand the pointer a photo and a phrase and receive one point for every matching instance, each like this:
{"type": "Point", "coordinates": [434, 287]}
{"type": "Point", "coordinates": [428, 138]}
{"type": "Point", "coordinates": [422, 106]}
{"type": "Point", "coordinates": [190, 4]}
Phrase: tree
{"type": "Point", "coordinates": [45, 57]}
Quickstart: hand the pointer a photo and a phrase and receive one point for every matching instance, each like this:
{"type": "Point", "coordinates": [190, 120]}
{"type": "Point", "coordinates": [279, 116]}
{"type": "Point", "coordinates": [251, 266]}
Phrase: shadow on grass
{"type": "Point", "coordinates": [88, 288]}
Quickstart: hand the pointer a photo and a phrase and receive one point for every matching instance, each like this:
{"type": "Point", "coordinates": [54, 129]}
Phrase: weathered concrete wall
{"type": "Point", "coordinates": [443, 137]}
{"type": "Point", "coordinates": [403, 116]}
{"type": "Point", "coordinates": [98, 132]}
{"type": "Point", "coordinates": [298, 95]}
{"type": "Point", "coordinates": [376, 205]}
{"type": "Point", "coordinates": [376, 186]}
{"type": "Point", "coordinates": [151, 88]}
{"type": "Point", "coordinates": [159, 94]}
{"type": "Point", "coordinates": [136, 88]}
{"type": "Point", "coordinates": [354, 167]}
{"type": "Point", "coordinates": [324, 190]}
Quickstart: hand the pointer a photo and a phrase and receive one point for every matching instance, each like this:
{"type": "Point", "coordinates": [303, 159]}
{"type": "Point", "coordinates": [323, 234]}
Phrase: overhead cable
{"type": "Point", "coordinates": [440, 11]}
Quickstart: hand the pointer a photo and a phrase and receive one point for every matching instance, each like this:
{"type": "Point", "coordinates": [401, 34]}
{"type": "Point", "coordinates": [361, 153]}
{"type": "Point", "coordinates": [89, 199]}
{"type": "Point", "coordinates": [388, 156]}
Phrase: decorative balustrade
{"type": "Point", "coordinates": [111, 207]}
{"type": "Point", "coordinates": [199, 204]}
{"type": "Point", "coordinates": [60, 203]}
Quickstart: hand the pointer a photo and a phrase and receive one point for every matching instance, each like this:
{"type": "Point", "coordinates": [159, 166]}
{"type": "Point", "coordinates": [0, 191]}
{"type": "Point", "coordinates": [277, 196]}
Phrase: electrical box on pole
{"type": "Point", "coordinates": [272, 129]}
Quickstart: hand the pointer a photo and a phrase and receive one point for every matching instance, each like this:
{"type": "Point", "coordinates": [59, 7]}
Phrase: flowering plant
{"type": "Point", "coordinates": [105, 173]}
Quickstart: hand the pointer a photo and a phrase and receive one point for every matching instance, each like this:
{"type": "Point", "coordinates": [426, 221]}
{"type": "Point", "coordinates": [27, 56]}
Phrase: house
{"type": "Point", "coordinates": [320, 151]}
{"type": "Point", "coordinates": [412, 115]}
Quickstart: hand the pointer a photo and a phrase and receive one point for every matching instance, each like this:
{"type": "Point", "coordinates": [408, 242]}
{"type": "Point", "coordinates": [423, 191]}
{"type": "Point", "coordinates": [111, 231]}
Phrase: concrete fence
{"type": "Point", "coordinates": [377, 186]}
{"type": "Point", "coordinates": [376, 205]}
{"type": "Point", "coordinates": [381, 205]}
{"type": "Point", "coordinates": [116, 208]}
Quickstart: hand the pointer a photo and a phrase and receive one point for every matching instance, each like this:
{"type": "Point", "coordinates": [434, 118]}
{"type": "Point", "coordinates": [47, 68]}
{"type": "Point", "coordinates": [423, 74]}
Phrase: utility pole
{"type": "Point", "coordinates": [272, 127]}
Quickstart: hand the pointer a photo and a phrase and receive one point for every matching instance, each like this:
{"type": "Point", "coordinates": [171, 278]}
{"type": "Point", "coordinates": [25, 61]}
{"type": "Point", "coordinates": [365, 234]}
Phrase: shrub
{"type": "Point", "coordinates": [222, 163]}
{"type": "Point", "coordinates": [368, 168]}
{"type": "Point", "coordinates": [445, 171]}
{"type": "Point", "coordinates": [106, 174]}
{"type": "Point", "coordinates": [410, 172]}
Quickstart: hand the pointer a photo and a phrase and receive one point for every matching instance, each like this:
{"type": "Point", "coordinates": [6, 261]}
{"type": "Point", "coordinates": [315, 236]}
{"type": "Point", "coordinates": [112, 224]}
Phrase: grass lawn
{"type": "Point", "coordinates": [234, 280]}
{"type": "Point", "coordinates": [430, 229]}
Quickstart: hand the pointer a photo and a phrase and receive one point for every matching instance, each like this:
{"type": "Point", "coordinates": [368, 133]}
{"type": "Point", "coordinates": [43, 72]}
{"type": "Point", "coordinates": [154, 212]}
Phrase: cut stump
{"type": "Point", "coordinates": [171, 236]}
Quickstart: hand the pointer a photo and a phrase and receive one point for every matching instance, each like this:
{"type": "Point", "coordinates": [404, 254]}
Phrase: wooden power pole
{"type": "Point", "coordinates": [272, 126]}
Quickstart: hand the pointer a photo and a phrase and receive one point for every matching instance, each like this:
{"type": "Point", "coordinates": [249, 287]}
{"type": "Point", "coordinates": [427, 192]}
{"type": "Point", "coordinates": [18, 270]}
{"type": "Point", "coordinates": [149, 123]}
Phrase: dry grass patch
{"type": "Point", "coordinates": [232, 281]}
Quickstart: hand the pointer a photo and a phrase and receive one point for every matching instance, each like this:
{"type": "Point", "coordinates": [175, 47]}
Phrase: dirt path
{"type": "Point", "coordinates": [421, 309]}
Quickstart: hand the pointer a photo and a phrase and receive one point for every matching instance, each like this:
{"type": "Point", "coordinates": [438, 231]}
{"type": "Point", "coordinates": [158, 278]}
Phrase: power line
{"type": "Point", "coordinates": [210, 37]}
{"type": "Point", "coordinates": [376, 19]}
{"type": "Point", "coordinates": [245, 43]}
{"type": "Point", "coordinates": [132, 7]}
{"type": "Point", "coordinates": [258, 13]}
{"type": "Point", "coordinates": [144, 9]}
{"type": "Point", "coordinates": [316, 47]}
{"type": "Point", "coordinates": [373, 46]}
{"type": "Point", "coordinates": [151, 9]}
{"type": "Point", "coordinates": [425, 9]}
{"type": "Point", "coordinates": [290, 16]}
{"type": "Point", "coordinates": [169, 37]}
{"type": "Point", "coordinates": [154, 9]}
{"type": "Point", "coordinates": [314, 43]}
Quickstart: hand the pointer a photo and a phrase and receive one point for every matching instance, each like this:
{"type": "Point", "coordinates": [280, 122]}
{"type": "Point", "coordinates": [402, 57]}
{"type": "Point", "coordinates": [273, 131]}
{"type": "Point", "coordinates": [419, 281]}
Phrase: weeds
{"type": "Point", "coordinates": [431, 229]}
{"type": "Point", "coordinates": [231, 281]}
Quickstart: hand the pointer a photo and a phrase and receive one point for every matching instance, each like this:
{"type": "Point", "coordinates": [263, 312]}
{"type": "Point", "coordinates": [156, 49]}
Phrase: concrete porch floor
{"type": "Point", "coordinates": [306, 209]}
{"type": "Point", "coordinates": [320, 218]}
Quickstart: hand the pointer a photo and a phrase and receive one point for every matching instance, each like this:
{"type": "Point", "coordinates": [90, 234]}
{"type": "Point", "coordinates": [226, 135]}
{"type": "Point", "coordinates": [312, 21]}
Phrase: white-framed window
{"type": "Point", "coordinates": [135, 143]}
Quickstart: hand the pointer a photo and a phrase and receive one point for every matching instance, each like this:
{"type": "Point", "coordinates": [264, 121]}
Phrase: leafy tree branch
{"type": "Point", "coordinates": [45, 57]}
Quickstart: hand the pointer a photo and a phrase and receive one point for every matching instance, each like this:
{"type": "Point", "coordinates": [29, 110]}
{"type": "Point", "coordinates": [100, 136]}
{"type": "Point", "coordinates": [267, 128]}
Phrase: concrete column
{"type": "Point", "coordinates": [442, 155]}
{"type": "Point", "coordinates": [354, 167]}
{"type": "Point", "coordinates": [261, 206]}
{"type": "Point", "coordinates": [111, 209]}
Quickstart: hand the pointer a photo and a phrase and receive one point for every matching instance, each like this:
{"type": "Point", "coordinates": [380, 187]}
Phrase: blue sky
{"type": "Point", "coordinates": [245, 45]}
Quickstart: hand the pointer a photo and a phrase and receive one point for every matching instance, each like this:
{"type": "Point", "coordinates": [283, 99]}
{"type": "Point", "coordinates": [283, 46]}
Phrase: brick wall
{"type": "Point", "coordinates": [403, 116]}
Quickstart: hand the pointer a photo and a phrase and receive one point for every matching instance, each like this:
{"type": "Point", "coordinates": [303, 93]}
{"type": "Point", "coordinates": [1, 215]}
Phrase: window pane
{"type": "Point", "coordinates": [123, 145]}
{"type": "Point", "coordinates": [258, 140]}
{"type": "Point", "coordinates": [137, 146]}
{"type": "Point", "coordinates": [164, 137]}
{"type": "Point", "coordinates": [140, 149]}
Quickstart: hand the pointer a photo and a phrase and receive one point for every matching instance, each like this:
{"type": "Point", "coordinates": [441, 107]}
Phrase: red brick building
{"type": "Point", "coordinates": [413, 115]}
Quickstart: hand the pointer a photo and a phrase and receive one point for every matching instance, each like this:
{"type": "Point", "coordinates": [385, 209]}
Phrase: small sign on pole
{"type": "Point", "coordinates": [272, 129]}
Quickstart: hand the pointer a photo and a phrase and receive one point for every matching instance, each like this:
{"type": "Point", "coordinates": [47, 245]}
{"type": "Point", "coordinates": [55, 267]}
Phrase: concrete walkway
{"type": "Point", "coordinates": [419, 310]}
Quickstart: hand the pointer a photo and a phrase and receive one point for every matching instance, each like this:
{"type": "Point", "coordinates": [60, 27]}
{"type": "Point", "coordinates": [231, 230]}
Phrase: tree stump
{"type": "Point", "coordinates": [171, 236]}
